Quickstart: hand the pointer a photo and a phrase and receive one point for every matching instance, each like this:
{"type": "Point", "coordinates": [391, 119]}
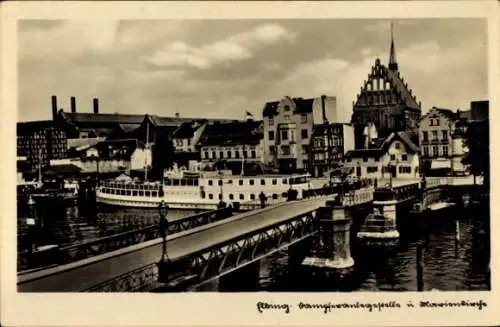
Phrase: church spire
{"type": "Point", "coordinates": [393, 65]}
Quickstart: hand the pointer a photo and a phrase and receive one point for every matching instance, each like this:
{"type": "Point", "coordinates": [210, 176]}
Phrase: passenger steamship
{"type": "Point", "coordinates": [184, 189]}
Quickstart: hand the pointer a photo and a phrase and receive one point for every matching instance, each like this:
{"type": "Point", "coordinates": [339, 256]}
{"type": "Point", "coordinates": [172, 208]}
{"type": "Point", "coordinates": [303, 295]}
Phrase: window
{"type": "Point", "coordinates": [205, 154]}
{"type": "Point", "coordinates": [271, 121]}
{"type": "Point", "coordinates": [219, 182]}
{"type": "Point", "coordinates": [251, 182]}
{"type": "Point", "coordinates": [365, 159]}
{"type": "Point", "coordinates": [141, 193]}
{"type": "Point", "coordinates": [285, 181]}
{"type": "Point", "coordinates": [435, 151]}
{"type": "Point", "coordinates": [231, 196]}
{"type": "Point", "coordinates": [286, 108]}
{"type": "Point", "coordinates": [303, 118]}
{"type": "Point", "coordinates": [426, 136]}
{"type": "Point", "coordinates": [445, 135]}
{"type": "Point", "coordinates": [271, 135]}
{"type": "Point", "coordinates": [237, 154]}
{"type": "Point", "coordinates": [210, 182]}
{"type": "Point", "coordinates": [242, 196]}
{"type": "Point", "coordinates": [393, 157]}
{"type": "Point", "coordinates": [305, 149]}
{"type": "Point", "coordinates": [285, 150]}
{"type": "Point", "coordinates": [252, 196]}
{"type": "Point", "coordinates": [434, 135]}
{"type": "Point", "coordinates": [214, 155]}
{"type": "Point", "coordinates": [404, 157]}
{"type": "Point", "coordinates": [221, 154]}
{"type": "Point", "coordinates": [240, 182]}
{"type": "Point", "coordinates": [437, 122]}
{"type": "Point", "coordinates": [210, 196]}
{"type": "Point", "coordinates": [274, 181]}
{"type": "Point", "coordinates": [397, 145]}
{"type": "Point", "coordinates": [272, 149]}
{"type": "Point", "coordinates": [262, 182]}
{"type": "Point", "coordinates": [426, 151]}
{"type": "Point", "coordinates": [404, 169]}
{"type": "Point", "coordinates": [304, 134]}
{"type": "Point", "coordinates": [284, 135]}
{"type": "Point", "coordinates": [254, 154]}
{"type": "Point", "coordinates": [377, 159]}
{"type": "Point", "coordinates": [275, 196]}
{"type": "Point", "coordinates": [220, 196]}
{"type": "Point", "coordinates": [371, 169]}
{"type": "Point", "coordinates": [229, 154]}
{"type": "Point", "coordinates": [445, 151]}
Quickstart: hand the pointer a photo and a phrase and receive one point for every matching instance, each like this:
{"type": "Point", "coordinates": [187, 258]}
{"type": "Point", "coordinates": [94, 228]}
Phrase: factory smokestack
{"type": "Point", "coordinates": [54, 107]}
{"type": "Point", "coordinates": [73, 104]}
{"type": "Point", "coordinates": [96, 105]}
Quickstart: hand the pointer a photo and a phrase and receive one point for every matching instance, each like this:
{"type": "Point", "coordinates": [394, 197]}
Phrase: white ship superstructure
{"type": "Point", "coordinates": [182, 189]}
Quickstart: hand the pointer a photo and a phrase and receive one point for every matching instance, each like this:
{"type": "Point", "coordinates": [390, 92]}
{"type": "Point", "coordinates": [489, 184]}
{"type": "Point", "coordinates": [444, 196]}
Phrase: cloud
{"type": "Point", "coordinates": [67, 39]}
{"type": "Point", "coordinates": [234, 48]}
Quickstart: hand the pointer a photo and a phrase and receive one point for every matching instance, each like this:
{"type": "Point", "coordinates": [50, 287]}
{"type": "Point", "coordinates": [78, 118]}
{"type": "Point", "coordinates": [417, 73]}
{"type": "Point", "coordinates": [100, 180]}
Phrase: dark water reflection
{"type": "Point", "coordinates": [449, 265]}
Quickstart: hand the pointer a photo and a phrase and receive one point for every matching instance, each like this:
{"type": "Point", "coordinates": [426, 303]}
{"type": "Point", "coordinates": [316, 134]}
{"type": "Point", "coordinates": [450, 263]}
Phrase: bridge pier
{"type": "Point", "coordinates": [332, 252]}
{"type": "Point", "coordinates": [380, 227]}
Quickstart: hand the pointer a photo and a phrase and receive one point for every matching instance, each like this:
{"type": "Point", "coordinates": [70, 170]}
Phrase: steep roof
{"type": "Point", "coordinates": [26, 128]}
{"type": "Point", "coordinates": [448, 113]}
{"type": "Point", "coordinates": [302, 106]}
{"type": "Point", "coordinates": [381, 145]}
{"type": "Point", "coordinates": [401, 88]}
{"type": "Point", "coordinates": [186, 130]}
{"type": "Point", "coordinates": [235, 133]}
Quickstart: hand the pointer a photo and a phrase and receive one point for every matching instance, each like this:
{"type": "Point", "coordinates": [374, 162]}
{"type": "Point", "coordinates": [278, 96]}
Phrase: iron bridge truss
{"type": "Point", "coordinates": [225, 257]}
{"type": "Point", "coordinates": [110, 243]}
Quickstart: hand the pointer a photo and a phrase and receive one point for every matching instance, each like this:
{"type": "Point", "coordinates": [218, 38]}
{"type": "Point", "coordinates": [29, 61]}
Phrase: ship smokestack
{"type": "Point", "coordinates": [54, 107]}
{"type": "Point", "coordinates": [95, 102]}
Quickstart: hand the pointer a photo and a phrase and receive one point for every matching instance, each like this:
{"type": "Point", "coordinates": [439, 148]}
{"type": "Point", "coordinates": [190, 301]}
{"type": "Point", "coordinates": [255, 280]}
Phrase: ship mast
{"type": "Point", "coordinates": [39, 168]}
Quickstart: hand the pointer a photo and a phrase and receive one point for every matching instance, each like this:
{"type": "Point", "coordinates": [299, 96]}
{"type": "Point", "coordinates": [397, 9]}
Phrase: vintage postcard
{"type": "Point", "coordinates": [249, 163]}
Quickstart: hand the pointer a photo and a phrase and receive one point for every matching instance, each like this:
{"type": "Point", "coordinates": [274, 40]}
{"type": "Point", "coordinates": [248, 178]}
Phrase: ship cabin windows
{"type": "Point", "coordinates": [275, 181]}
{"type": "Point", "coordinates": [298, 180]}
{"type": "Point", "coordinates": [211, 196]}
{"type": "Point", "coordinates": [134, 193]}
{"type": "Point", "coordinates": [231, 196]}
{"type": "Point", "coordinates": [252, 196]}
{"type": "Point", "coordinates": [262, 182]}
{"type": "Point", "coordinates": [242, 196]}
{"type": "Point", "coordinates": [181, 182]}
{"type": "Point", "coordinates": [141, 193]}
{"type": "Point", "coordinates": [240, 182]}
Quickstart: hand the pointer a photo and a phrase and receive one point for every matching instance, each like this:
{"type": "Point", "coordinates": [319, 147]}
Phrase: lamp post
{"type": "Point", "coordinates": [31, 223]}
{"type": "Point", "coordinates": [164, 230]}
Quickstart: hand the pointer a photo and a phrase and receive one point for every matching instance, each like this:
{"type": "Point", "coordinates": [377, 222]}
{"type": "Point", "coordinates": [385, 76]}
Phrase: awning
{"type": "Point", "coordinates": [440, 164]}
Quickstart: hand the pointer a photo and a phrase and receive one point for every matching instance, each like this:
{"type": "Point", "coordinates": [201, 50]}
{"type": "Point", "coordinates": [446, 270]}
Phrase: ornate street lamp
{"type": "Point", "coordinates": [164, 230]}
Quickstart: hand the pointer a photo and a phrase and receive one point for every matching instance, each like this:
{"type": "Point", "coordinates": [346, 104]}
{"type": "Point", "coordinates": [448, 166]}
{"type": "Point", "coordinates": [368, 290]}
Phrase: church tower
{"type": "Point", "coordinates": [385, 101]}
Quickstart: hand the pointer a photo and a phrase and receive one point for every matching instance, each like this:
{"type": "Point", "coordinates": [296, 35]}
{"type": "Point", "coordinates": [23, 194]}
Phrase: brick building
{"type": "Point", "coordinates": [386, 101]}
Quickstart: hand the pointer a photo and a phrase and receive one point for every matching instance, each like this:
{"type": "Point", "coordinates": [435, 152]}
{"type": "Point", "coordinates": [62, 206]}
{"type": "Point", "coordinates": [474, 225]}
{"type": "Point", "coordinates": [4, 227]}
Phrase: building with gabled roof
{"type": "Point", "coordinates": [442, 141]}
{"type": "Point", "coordinates": [386, 101]}
{"type": "Point", "coordinates": [395, 155]}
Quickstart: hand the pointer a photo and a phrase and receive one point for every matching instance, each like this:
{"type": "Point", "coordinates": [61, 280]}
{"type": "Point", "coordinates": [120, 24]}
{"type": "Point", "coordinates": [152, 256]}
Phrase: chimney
{"type": "Point", "coordinates": [54, 107]}
{"type": "Point", "coordinates": [323, 109]}
{"type": "Point", "coordinates": [95, 102]}
{"type": "Point", "coordinates": [73, 104]}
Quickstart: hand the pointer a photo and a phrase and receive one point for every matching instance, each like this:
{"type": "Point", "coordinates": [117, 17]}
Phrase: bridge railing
{"type": "Point", "coordinates": [86, 249]}
{"type": "Point", "coordinates": [222, 257]}
{"type": "Point", "coordinates": [142, 279]}
{"type": "Point", "coordinates": [358, 197]}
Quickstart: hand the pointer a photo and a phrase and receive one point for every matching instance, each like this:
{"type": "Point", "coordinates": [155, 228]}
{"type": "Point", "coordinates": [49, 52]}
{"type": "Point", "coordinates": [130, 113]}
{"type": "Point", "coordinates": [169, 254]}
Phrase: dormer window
{"type": "Point", "coordinates": [286, 107]}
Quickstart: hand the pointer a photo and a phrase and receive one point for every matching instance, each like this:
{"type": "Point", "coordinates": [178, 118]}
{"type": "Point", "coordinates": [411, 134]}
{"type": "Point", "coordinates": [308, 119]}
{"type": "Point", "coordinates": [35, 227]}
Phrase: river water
{"type": "Point", "coordinates": [449, 264]}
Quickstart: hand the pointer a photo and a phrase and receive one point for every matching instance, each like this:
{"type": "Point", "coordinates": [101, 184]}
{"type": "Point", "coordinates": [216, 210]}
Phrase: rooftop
{"type": "Point", "coordinates": [302, 106]}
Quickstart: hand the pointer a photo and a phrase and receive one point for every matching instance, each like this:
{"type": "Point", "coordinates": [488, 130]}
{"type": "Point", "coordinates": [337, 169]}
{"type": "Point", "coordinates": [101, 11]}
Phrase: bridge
{"type": "Point", "coordinates": [218, 247]}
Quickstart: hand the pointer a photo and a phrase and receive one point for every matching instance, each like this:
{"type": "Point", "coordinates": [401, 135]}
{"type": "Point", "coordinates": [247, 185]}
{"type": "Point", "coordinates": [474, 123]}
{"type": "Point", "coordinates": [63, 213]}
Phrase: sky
{"type": "Point", "coordinates": [223, 68]}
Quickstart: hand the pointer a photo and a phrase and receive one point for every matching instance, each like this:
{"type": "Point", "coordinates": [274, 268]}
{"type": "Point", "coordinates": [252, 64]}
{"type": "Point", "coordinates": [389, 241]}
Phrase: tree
{"type": "Point", "coordinates": [478, 144]}
{"type": "Point", "coordinates": [162, 153]}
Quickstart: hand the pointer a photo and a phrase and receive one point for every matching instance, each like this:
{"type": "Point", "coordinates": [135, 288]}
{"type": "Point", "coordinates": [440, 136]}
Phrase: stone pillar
{"type": "Point", "coordinates": [381, 225]}
{"type": "Point", "coordinates": [334, 250]}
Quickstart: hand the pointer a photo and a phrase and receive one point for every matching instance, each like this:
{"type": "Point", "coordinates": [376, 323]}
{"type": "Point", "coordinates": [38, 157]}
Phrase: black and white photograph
{"type": "Point", "coordinates": [343, 155]}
